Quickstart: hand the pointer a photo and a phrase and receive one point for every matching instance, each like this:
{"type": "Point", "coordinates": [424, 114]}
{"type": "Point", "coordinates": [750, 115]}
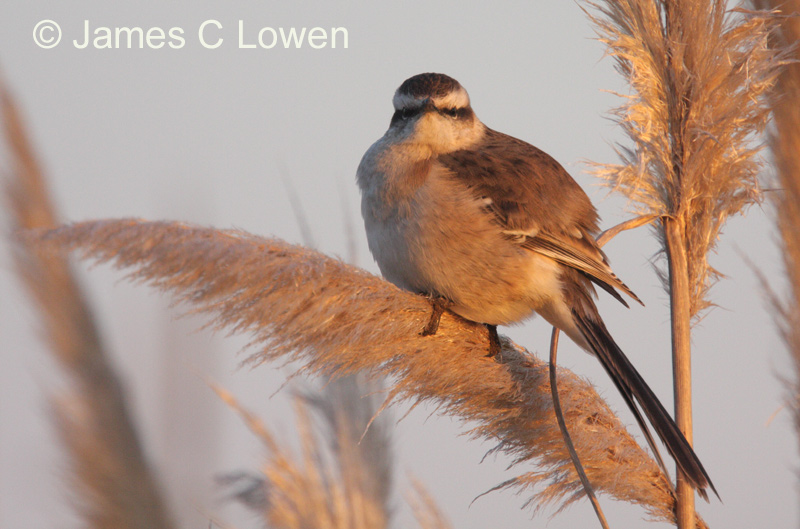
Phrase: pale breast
{"type": "Point", "coordinates": [436, 237]}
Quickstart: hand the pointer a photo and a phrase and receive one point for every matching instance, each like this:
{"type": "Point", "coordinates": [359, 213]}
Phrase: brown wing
{"type": "Point", "coordinates": [536, 203]}
{"type": "Point", "coordinates": [584, 255]}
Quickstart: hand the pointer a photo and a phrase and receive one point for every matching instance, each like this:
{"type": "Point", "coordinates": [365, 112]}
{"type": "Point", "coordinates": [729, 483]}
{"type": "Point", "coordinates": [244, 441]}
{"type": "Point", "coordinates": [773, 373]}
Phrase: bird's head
{"type": "Point", "coordinates": [433, 110]}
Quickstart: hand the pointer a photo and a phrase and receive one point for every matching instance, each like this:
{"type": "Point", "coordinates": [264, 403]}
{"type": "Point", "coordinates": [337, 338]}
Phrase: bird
{"type": "Point", "coordinates": [496, 231]}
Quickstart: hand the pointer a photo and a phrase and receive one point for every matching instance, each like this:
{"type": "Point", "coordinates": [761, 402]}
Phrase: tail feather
{"type": "Point", "coordinates": [628, 397]}
{"type": "Point", "coordinates": [631, 385]}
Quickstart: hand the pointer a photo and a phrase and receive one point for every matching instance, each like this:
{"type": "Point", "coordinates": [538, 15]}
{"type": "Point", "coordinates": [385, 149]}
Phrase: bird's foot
{"type": "Point", "coordinates": [439, 305]}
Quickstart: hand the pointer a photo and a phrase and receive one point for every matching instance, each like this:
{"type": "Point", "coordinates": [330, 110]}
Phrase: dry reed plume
{"type": "Point", "coordinates": [343, 488]}
{"type": "Point", "coordinates": [698, 76]}
{"type": "Point", "coordinates": [785, 146]}
{"type": "Point", "coordinates": [358, 439]}
{"type": "Point", "coordinates": [335, 319]}
{"type": "Point", "coordinates": [115, 487]}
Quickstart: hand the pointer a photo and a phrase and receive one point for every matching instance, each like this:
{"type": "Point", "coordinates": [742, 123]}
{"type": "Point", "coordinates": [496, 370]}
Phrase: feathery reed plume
{"type": "Point", "coordinates": [785, 146]}
{"type": "Point", "coordinates": [315, 492]}
{"type": "Point", "coordinates": [348, 405]}
{"type": "Point", "coordinates": [698, 75]}
{"type": "Point", "coordinates": [298, 304]}
{"type": "Point", "coordinates": [116, 487]}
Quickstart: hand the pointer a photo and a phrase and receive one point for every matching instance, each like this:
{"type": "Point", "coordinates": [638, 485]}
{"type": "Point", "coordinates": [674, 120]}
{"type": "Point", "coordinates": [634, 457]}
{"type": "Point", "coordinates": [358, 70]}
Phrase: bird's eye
{"type": "Point", "coordinates": [404, 114]}
{"type": "Point", "coordinates": [452, 112]}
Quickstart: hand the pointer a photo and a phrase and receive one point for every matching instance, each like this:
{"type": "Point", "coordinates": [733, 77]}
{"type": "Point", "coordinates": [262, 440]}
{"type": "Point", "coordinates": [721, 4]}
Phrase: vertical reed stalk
{"type": "Point", "coordinates": [674, 241]}
{"type": "Point", "coordinates": [680, 318]}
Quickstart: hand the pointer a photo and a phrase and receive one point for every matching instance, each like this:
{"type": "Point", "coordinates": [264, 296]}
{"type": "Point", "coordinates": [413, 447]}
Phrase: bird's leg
{"type": "Point", "coordinates": [494, 341]}
{"type": "Point", "coordinates": [439, 305]}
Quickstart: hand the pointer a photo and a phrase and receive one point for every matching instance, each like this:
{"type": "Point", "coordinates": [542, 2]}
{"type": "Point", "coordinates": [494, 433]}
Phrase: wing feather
{"type": "Point", "coordinates": [536, 203]}
{"type": "Point", "coordinates": [592, 262]}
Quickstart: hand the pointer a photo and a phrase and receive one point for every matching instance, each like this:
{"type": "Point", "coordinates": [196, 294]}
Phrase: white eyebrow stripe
{"type": "Point", "coordinates": [455, 99]}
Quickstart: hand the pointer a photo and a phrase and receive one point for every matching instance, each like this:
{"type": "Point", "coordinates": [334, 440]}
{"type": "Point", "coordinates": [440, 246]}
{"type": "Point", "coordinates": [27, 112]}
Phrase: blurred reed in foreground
{"type": "Point", "coordinates": [339, 481]}
{"type": "Point", "coordinates": [785, 147]}
{"type": "Point", "coordinates": [114, 486]}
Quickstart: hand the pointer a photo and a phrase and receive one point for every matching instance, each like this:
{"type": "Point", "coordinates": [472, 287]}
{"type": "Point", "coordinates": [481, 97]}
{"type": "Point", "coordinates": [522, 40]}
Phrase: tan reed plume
{"type": "Point", "coordinates": [297, 304]}
{"type": "Point", "coordinates": [698, 75]}
{"type": "Point", "coordinates": [114, 486]}
{"type": "Point", "coordinates": [339, 481]}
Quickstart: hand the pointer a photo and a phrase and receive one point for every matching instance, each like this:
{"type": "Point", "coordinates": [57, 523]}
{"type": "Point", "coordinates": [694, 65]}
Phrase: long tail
{"type": "Point", "coordinates": [632, 386]}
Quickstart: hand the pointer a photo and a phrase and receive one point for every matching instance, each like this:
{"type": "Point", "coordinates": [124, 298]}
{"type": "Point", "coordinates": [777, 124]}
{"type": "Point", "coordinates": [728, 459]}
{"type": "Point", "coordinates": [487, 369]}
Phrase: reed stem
{"type": "Point", "coordinates": [680, 317]}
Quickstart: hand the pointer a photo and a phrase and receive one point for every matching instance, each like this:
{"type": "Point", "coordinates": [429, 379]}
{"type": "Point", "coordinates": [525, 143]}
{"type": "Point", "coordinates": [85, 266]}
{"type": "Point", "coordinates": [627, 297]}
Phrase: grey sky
{"type": "Point", "coordinates": [210, 135]}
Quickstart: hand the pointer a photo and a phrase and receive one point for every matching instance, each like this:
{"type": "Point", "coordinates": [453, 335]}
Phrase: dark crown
{"type": "Point", "coordinates": [428, 85]}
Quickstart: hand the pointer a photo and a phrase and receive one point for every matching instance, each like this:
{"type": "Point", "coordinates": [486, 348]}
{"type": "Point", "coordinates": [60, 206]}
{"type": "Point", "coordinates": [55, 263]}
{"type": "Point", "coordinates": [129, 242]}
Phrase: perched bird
{"type": "Point", "coordinates": [495, 230]}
